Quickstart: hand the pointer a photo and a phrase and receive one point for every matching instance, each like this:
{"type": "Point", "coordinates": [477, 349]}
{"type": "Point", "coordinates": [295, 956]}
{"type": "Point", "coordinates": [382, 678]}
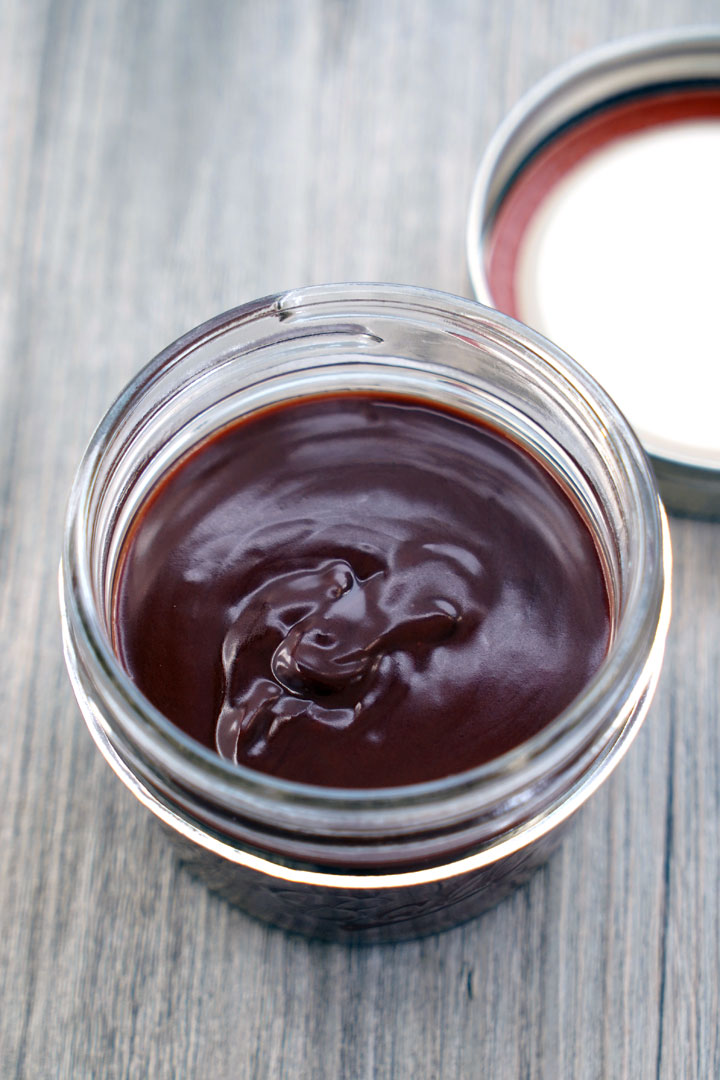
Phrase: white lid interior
{"type": "Point", "coordinates": [620, 266]}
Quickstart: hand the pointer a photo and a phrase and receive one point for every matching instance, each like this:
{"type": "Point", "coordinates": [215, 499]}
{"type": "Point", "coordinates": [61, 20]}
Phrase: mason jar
{"type": "Point", "coordinates": [386, 863]}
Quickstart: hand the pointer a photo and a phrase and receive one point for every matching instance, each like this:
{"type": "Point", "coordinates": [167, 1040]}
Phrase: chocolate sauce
{"type": "Point", "coordinates": [360, 591]}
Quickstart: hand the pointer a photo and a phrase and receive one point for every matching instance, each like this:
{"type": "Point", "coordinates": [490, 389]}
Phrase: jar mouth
{"type": "Point", "coordinates": [640, 629]}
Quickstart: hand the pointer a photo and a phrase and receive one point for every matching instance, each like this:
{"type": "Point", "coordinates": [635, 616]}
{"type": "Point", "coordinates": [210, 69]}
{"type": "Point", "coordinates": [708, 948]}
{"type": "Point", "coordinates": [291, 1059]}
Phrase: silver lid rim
{"type": "Point", "coordinates": [689, 481]}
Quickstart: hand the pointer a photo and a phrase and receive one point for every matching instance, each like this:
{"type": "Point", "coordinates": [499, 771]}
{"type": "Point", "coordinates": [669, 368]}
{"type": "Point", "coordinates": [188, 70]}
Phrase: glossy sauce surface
{"type": "Point", "coordinates": [359, 591]}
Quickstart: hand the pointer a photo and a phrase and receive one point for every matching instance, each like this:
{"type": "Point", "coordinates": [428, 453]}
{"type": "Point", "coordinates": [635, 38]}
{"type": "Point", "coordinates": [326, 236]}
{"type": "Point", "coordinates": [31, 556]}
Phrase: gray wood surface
{"type": "Point", "coordinates": [160, 162]}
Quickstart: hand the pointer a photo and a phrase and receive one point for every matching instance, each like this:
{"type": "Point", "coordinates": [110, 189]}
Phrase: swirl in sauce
{"type": "Point", "coordinates": [360, 591]}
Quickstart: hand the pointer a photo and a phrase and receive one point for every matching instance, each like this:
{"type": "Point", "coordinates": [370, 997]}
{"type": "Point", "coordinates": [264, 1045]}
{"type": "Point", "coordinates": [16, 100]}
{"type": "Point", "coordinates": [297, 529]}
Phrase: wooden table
{"type": "Point", "coordinates": [160, 162]}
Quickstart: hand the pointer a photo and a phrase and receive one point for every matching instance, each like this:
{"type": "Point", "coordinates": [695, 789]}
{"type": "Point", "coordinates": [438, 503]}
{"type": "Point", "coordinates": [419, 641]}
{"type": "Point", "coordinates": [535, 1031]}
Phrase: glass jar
{"type": "Point", "coordinates": [395, 862]}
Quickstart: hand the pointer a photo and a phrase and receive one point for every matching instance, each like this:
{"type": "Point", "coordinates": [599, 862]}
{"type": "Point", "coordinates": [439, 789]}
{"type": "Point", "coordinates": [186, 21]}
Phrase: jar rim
{"type": "Point", "coordinates": [645, 617]}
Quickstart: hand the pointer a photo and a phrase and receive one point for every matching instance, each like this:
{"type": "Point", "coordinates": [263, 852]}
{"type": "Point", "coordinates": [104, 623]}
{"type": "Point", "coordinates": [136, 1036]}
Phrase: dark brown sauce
{"type": "Point", "coordinates": [360, 591]}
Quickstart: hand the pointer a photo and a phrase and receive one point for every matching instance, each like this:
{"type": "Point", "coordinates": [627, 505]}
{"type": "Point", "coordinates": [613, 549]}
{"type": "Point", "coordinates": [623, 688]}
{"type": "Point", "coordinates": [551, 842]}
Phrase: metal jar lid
{"type": "Point", "coordinates": [595, 219]}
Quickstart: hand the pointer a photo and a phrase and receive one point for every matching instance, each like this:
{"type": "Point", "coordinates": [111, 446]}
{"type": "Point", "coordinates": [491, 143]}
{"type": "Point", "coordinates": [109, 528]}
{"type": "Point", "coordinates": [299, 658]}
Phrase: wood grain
{"type": "Point", "coordinates": [160, 162]}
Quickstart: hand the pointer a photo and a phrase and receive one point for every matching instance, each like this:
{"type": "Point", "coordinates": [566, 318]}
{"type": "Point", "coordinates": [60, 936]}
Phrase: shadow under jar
{"type": "Point", "coordinates": [370, 863]}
